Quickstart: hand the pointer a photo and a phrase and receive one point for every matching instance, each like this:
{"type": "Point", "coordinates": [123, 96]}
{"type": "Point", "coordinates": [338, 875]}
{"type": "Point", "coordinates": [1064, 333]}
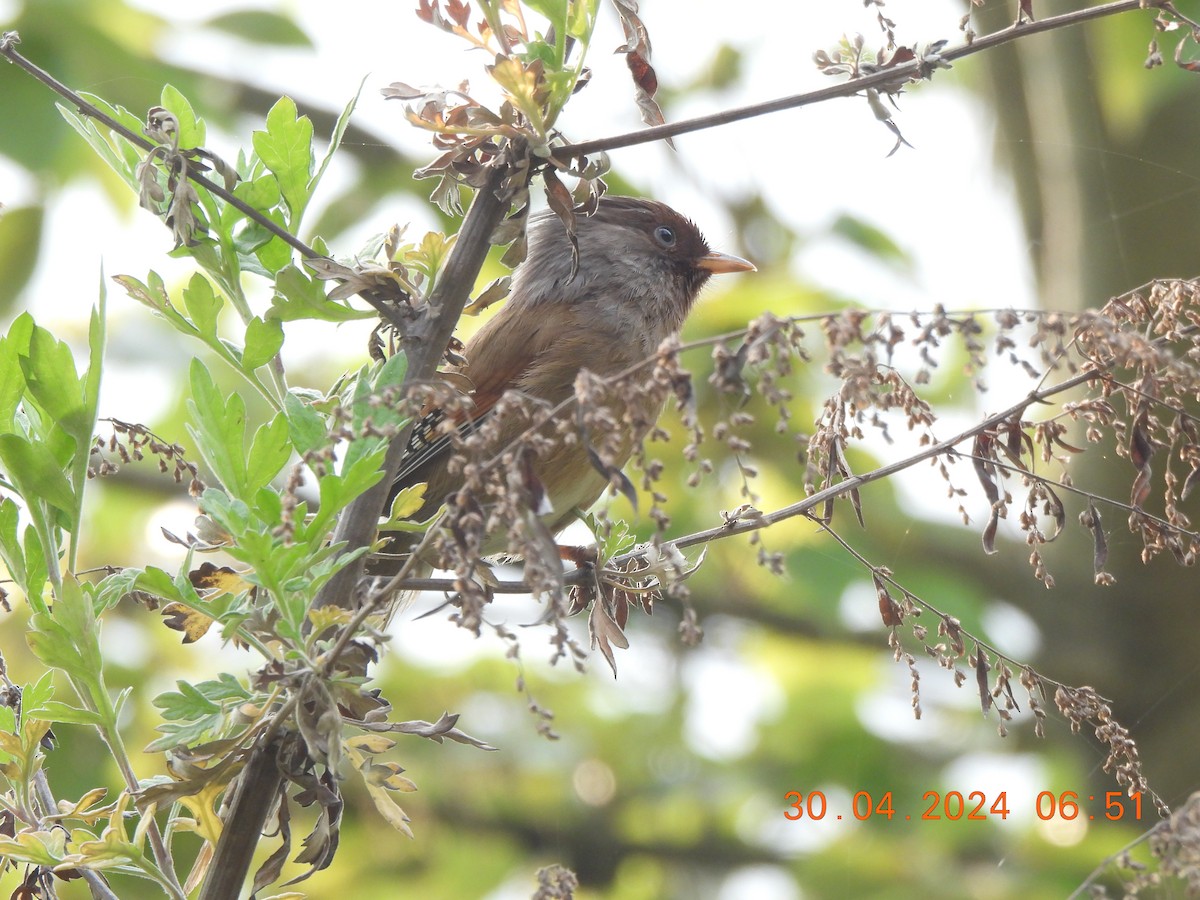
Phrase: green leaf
{"type": "Point", "coordinates": [73, 609]}
{"type": "Point", "coordinates": [36, 573]}
{"type": "Point", "coordinates": [53, 646]}
{"type": "Point", "coordinates": [263, 340]}
{"type": "Point", "coordinates": [55, 711]}
{"type": "Point", "coordinates": [20, 242]}
{"type": "Point", "coordinates": [154, 295]}
{"type": "Point", "coordinates": [218, 427]}
{"type": "Point", "coordinates": [35, 695]}
{"type": "Point", "coordinates": [203, 305]}
{"type": "Point", "coordinates": [556, 12]}
{"type": "Point", "coordinates": [306, 426]}
{"type": "Point", "coordinates": [97, 338]}
{"type": "Point", "coordinates": [335, 140]}
{"type": "Point", "coordinates": [262, 193]}
{"type": "Point", "coordinates": [188, 703]}
{"type": "Point", "coordinates": [191, 128]}
{"type": "Point", "coordinates": [261, 27]}
{"type": "Point", "coordinates": [10, 545]}
{"type": "Point", "coordinates": [286, 149]}
{"type": "Point", "coordinates": [273, 254]}
{"type": "Point", "coordinates": [53, 383]}
{"type": "Point", "coordinates": [120, 155]}
{"type": "Point", "coordinates": [374, 384]}
{"type": "Point", "coordinates": [269, 453]}
{"type": "Point", "coordinates": [299, 297]}
{"type": "Point", "coordinates": [156, 581]}
{"type": "Point", "coordinates": [13, 346]}
{"type": "Point", "coordinates": [67, 638]}
{"type": "Point", "coordinates": [36, 474]}
{"type": "Point", "coordinates": [337, 491]}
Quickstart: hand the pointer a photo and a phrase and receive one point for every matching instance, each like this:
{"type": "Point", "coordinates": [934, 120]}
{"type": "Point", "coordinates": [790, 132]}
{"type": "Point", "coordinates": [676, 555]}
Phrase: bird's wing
{"type": "Point", "coordinates": [499, 358]}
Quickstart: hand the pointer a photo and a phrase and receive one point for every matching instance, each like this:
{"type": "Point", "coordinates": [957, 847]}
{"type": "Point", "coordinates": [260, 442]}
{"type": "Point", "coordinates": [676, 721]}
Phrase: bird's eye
{"type": "Point", "coordinates": [665, 235]}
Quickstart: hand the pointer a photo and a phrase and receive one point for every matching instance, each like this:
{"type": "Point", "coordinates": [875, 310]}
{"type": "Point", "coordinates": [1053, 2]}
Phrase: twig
{"type": "Point", "coordinates": [879, 79]}
{"type": "Point", "coordinates": [8, 51]}
{"type": "Point", "coordinates": [1082, 889]}
{"type": "Point", "coordinates": [8, 42]}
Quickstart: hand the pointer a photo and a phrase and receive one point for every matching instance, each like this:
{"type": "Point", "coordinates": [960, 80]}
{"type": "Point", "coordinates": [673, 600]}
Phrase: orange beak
{"type": "Point", "coordinates": [720, 263]}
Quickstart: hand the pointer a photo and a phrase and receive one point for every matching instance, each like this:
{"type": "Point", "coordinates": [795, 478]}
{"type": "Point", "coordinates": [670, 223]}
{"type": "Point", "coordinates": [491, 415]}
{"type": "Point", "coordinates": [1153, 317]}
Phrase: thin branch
{"type": "Point", "coordinates": [8, 51]}
{"type": "Point", "coordinates": [890, 76]}
{"type": "Point", "coordinates": [8, 42]}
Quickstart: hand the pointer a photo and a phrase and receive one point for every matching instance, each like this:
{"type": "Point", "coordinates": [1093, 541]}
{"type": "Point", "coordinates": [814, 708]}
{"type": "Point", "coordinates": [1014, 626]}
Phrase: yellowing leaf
{"type": "Point", "coordinates": [203, 805]}
{"type": "Point", "coordinates": [222, 580]}
{"type": "Point", "coordinates": [390, 810]}
{"type": "Point", "coordinates": [194, 625]}
{"type": "Point", "coordinates": [328, 616]}
{"type": "Point", "coordinates": [408, 501]}
{"type": "Point", "coordinates": [37, 848]}
{"type": "Point", "coordinates": [371, 743]}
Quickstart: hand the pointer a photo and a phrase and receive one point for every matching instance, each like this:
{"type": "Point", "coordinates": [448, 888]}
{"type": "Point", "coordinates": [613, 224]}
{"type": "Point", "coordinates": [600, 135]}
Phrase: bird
{"type": "Point", "coordinates": [604, 303]}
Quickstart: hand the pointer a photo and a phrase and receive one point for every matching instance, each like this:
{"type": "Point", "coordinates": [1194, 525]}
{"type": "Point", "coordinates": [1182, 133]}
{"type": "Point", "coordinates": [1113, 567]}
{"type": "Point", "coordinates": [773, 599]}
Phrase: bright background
{"type": "Point", "coordinates": [1051, 174]}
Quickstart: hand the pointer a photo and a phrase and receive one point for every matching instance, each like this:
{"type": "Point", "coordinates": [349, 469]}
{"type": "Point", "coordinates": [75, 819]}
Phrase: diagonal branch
{"type": "Point", "coordinates": [893, 75]}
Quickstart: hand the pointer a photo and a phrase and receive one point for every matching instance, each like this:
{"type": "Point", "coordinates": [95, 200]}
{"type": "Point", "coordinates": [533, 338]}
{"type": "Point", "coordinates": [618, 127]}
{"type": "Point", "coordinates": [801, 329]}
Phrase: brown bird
{"type": "Point", "coordinates": [639, 269]}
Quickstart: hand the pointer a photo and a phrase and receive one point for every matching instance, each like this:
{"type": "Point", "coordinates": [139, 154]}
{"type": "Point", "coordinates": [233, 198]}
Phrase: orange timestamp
{"type": "Point", "coordinates": [975, 806]}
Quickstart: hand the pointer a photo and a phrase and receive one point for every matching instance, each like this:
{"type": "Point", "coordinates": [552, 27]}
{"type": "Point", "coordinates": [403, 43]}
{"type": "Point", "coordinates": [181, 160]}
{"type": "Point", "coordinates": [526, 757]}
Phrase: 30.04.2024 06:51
{"type": "Point", "coordinates": [973, 808]}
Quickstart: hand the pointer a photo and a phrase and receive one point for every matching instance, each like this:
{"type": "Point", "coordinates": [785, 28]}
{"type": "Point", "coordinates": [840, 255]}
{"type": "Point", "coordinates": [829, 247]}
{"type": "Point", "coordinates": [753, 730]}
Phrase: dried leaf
{"type": "Point", "coordinates": [1099, 541]}
{"type": "Point", "coordinates": [605, 632]}
{"type": "Point", "coordinates": [1189, 483]}
{"type": "Point", "coordinates": [889, 609]}
{"type": "Point", "coordinates": [637, 56]}
{"type": "Point", "coordinates": [1188, 65]}
{"type": "Point", "coordinates": [981, 678]}
{"type": "Point", "coordinates": [194, 625]}
{"type": "Point", "coordinates": [1141, 449]}
{"type": "Point", "coordinates": [563, 205]}
{"type": "Point", "coordinates": [218, 580]}
{"type": "Point", "coordinates": [442, 729]}
{"type": "Point", "coordinates": [493, 293]}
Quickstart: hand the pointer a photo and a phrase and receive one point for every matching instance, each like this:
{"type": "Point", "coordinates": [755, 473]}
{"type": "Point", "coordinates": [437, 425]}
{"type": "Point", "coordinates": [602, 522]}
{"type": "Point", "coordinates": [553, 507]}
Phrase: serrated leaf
{"type": "Point", "coordinates": [286, 149]}
{"type": "Point", "coordinates": [263, 341]}
{"type": "Point", "coordinates": [218, 428]}
{"type": "Point", "coordinates": [203, 305]}
{"type": "Point", "coordinates": [299, 297]}
{"type": "Point", "coordinates": [191, 623]}
{"type": "Point", "coordinates": [36, 474]}
{"type": "Point", "coordinates": [154, 295]}
{"type": "Point", "coordinates": [191, 129]}
{"type": "Point", "coordinates": [269, 453]}
{"type": "Point", "coordinates": [306, 426]}
{"type": "Point", "coordinates": [53, 383]}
